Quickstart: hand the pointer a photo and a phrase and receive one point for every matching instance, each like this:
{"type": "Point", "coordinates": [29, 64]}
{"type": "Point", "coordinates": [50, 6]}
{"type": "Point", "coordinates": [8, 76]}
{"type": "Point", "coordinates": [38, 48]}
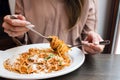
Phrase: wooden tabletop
{"type": "Point", "coordinates": [95, 67]}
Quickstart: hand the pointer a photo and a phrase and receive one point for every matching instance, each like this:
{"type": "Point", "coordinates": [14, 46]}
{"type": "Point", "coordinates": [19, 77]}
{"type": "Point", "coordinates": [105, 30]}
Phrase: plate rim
{"type": "Point", "coordinates": [73, 69]}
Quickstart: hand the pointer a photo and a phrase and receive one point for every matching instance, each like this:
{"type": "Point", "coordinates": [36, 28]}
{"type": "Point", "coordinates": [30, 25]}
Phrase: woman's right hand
{"type": "Point", "coordinates": [15, 27]}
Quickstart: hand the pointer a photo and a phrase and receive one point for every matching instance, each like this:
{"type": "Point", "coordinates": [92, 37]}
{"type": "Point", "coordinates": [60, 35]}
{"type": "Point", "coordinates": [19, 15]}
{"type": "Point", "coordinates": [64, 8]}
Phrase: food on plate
{"type": "Point", "coordinates": [37, 61]}
{"type": "Point", "coordinates": [40, 60]}
{"type": "Point", "coordinates": [59, 47]}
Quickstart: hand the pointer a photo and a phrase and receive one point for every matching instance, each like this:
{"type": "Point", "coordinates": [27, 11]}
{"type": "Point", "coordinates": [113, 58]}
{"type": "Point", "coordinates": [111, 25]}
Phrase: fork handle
{"type": "Point", "coordinates": [105, 42]}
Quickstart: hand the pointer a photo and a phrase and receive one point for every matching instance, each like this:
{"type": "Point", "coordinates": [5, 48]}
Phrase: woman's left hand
{"type": "Point", "coordinates": [92, 41]}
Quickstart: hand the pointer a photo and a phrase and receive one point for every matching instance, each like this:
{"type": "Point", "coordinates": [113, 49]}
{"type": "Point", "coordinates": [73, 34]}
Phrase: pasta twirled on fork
{"type": "Point", "coordinates": [60, 47]}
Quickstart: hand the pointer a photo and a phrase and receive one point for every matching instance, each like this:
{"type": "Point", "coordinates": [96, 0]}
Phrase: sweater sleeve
{"type": "Point", "coordinates": [19, 9]}
{"type": "Point", "coordinates": [91, 21]}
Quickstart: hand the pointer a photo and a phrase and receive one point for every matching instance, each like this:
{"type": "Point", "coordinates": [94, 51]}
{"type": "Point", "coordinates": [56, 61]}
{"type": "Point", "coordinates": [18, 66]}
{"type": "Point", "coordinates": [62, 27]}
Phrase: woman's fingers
{"type": "Point", "coordinates": [14, 28]}
{"type": "Point", "coordinates": [89, 50]}
{"type": "Point", "coordinates": [21, 17]}
{"type": "Point", "coordinates": [13, 33]}
{"type": "Point", "coordinates": [93, 48]}
{"type": "Point", "coordinates": [93, 45]}
{"type": "Point", "coordinates": [97, 48]}
{"type": "Point", "coordinates": [15, 22]}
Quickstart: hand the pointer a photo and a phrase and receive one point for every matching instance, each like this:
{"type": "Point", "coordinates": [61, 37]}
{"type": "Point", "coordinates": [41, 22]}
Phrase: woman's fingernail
{"type": "Point", "coordinates": [84, 42]}
{"type": "Point", "coordinates": [96, 43]}
{"type": "Point", "coordinates": [27, 22]}
{"type": "Point", "coordinates": [32, 26]}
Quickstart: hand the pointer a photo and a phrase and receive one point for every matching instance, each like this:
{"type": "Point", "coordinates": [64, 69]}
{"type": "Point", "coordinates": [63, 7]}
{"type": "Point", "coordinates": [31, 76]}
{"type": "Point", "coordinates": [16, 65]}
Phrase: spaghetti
{"type": "Point", "coordinates": [36, 61]}
{"type": "Point", "coordinates": [60, 47]}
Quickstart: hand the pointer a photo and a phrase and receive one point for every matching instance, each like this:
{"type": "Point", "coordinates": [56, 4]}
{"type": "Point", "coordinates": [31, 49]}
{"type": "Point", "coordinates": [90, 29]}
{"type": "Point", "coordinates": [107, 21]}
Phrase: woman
{"type": "Point", "coordinates": [72, 21]}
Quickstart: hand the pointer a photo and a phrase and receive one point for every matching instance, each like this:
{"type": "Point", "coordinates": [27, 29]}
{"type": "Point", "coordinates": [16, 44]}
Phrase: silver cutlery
{"type": "Point", "coordinates": [30, 26]}
{"type": "Point", "coordinates": [105, 42]}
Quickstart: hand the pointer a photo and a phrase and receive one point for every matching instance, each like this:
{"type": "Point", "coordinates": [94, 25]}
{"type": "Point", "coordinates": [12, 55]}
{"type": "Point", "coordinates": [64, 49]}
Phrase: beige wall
{"type": "Point", "coordinates": [104, 8]}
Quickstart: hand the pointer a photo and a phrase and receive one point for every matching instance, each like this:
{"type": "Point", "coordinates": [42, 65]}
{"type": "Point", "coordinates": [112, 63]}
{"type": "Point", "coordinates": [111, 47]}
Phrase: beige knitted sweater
{"type": "Point", "coordinates": [50, 18]}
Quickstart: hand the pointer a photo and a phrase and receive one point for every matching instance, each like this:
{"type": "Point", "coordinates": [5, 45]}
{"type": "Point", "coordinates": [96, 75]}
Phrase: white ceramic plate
{"type": "Point", "coordinates": [76, 55]}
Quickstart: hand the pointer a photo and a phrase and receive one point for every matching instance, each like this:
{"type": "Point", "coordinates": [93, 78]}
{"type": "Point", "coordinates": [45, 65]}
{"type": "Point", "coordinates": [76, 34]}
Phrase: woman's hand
{"type": "Point", "coordinates": [92, 41]}
{"type": "Point", "coordinates": [15, 27]}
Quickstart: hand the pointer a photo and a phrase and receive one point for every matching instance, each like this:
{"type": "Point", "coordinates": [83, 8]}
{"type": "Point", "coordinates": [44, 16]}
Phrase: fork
{"type": "Point", "coordinates": [105, 42]}
{"type": "Point", "coordinates": [30, 26]}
